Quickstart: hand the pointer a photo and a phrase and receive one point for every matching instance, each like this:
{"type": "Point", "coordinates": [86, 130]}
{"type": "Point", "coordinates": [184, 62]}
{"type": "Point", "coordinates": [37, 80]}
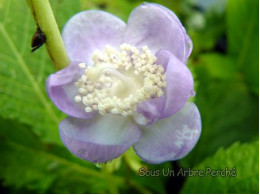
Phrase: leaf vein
{"type": "Point", "coordinates": [28, 74]}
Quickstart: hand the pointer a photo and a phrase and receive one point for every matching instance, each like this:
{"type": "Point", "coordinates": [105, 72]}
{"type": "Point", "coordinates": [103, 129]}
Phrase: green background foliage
{"type": "Point", "coordinates": [224, 63]}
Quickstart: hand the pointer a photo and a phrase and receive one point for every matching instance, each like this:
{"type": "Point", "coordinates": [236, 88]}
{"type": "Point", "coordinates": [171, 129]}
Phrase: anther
{"type": "Point", "coordinates": [119, 80]}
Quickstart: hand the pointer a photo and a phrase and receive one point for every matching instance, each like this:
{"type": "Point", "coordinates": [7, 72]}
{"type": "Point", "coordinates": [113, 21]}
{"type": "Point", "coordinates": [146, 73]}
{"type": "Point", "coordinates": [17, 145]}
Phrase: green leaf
{"type": "Point", "coordinates": [219, 66]}
{"type": "Point", "coordinates": [243, 38]}
{"type": "Point", "coordinates": [64, 10]}
{"type": "Point", "coordinates": [228, 112]}
{"type": "Point", "coordinates": [242, 159]}
{"type": "Point", "coordinates": [23, 73]}
{"type": "Point", "coordinates": [43, 167]}
{"type": "Point", "coordinates": [205, 28]}
{"type": "Point", "coordinates": [119, 8]}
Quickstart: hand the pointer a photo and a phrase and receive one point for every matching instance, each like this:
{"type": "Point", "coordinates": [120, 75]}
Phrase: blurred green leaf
{"type": "Point", "coordinates": [243, 157]}
{"type": "Point", "coordinates": [120, 8]}
{"type": "Point", "coordinates": [205, 27]}
{"type": "Point", "coordinates": [243, 38]}
{"type": "Point", "coordinates": [228, 113]}
{"type": "Point", "coordinates": [219, 66]}
{"type": "Point", "coordinates": [42, 167]}
{"type": "Point", "coordinates": [64, 10]}
{"type": "Point", "coordinates": [155, 184]}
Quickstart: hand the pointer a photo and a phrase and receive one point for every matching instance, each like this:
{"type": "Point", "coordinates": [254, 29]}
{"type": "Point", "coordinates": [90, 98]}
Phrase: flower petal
{"type": "Point", "coordinates": [178, 90]}
{"type": "Point", "coordinates": [189, 44]}
{"type": "Point", "coordinates": [91, 30]}
{"type": "Point", "coordinates": [100, 139]}
{"type": "Point", "coordinates": [158, 28]}
{"type": "Point", "coordinates": [171, 138]}
{"type": "Point", "coordinates": [151, 110]}
{"type": "Point", "coordinates": [61, 90]}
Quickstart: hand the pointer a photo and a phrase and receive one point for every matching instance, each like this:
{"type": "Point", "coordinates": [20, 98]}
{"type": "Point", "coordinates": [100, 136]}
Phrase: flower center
{"type": "Point", "coordinates": [119, 80]}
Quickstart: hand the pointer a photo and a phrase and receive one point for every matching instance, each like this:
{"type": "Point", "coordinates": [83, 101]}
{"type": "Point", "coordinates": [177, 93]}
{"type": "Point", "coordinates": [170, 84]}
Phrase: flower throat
{"type": "Point", "coordinates": [119, 80]}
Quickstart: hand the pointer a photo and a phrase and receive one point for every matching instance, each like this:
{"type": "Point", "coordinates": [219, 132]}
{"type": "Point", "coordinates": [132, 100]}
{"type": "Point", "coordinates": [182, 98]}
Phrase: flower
{"type": "Point", "coordinates": [127, 85]}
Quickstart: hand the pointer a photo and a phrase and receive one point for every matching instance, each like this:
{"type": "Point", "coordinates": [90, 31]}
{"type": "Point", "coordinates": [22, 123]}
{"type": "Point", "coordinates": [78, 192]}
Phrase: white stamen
{"type": "Point", "coordinates": [77, 98]}
{"type": "Point", "coordinates": [82, 65]}
{"type": "Point", "coordinates": [119, 80]}
{"type": "Point", "coordinates": [88, 109]}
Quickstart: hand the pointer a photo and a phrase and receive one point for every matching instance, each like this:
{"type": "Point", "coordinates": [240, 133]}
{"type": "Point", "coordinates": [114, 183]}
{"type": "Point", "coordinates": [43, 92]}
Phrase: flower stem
{"type": "Point", "coordinates": [45, 19]}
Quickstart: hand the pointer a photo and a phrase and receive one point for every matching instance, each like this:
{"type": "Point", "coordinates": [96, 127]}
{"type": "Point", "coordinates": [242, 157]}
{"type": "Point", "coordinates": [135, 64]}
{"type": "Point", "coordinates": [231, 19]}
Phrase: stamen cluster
{"type": "Point", "coordinates": [119, 80]}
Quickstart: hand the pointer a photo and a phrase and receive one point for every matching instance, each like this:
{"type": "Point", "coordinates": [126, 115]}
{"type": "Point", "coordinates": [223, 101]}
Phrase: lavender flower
{"type": "Point", "coordinates": [127, 85]}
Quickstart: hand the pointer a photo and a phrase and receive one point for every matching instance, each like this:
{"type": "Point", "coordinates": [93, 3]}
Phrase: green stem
{"type": "Point", "coordinates": [45, 19]}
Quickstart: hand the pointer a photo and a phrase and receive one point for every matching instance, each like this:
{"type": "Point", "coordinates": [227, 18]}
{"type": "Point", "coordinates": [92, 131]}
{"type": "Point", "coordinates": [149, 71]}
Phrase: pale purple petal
{"type": "Point", "coordinates": [88, 31]}
{"type": "Point", "coordinates": [158, 28]}
{"type": "Point", "coordinates": [189, 45]}
{"type": "Point", "coordinates": [178, 90]}
{"type": "Point", "coordinates": [171, 138]}
{"type": "Point", "coordinates": [151, 110]}
{"type": "Point", "coordinates": [179, 84]}
{"type": "Point", "coordinates": [100, 139]}
{"type": "Point", "coordinates": [61, 90]}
